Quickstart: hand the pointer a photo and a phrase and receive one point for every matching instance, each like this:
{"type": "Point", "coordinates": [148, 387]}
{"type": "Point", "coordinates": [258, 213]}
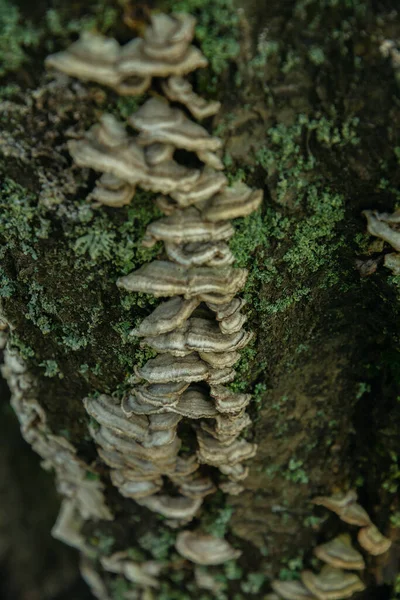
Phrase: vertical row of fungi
{"type": "Point", "coordinates": [336, 581]}
{"type": "Point", "coordinates": [197, 331]}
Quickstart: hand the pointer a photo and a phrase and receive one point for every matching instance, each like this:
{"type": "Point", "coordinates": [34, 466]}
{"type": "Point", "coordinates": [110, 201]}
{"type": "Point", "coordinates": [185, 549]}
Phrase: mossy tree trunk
{"type": "Point", "coordinates": [310, 114]}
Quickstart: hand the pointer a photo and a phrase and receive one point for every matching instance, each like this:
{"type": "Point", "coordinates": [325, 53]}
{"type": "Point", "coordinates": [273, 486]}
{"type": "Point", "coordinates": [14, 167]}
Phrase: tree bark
{"type": "Point", "coordinates": [310, 114]}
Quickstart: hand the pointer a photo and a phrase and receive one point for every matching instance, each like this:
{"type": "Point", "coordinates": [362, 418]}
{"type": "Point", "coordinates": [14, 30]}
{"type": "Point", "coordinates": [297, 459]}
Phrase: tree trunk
{"type": "Point", "coordinates": [310, 113]}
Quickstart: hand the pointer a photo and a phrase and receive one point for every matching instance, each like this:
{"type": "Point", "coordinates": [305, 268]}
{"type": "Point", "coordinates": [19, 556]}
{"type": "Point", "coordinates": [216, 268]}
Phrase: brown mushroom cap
{"type": "Point", "coordinates": [381, 225]}
{"type": "Point", "coordinates": [112, 191]}
{"type": "Point", "coordinates": [198, 335]}
{"type": "Point", "coordinates": [233, 202]}
{"type": "Point", "coordinates": [204, 549]}
{"type": "Point", "coordinates": [165, 49]}
{"type": "Point", "coordinates": [185, 226]}
{"type": "Point", "coordinates": [372, 540]}
{"type": "Point", "coordinates": [135, 489]}
{"type": "Point", "coordinates": [231, 487]}
{"type": "Point", "coordinates": [163, 278]}
{"type": "Point", "coordinates": [211, 254]}
{"type": "Point", "coordinates": [227, 401]}
{"type": "Point", "coordinates": [166, 317]}
{"type": "Point", "coordinates": [109, 414]}
{"type": "Point", "coordinates": [179, 507]}
{"type": "Point", "coordinates": [291, 590]}
{"type": "Point", "coordinates": [179, 89]}
{"type": "Point", "coordinates": [213, 452]}
{"type": "Point", "coordinates": [208, 183]}
{"type": "Point", "coordinates": [157, 122]}
{"type": "Point", "coordinates": [340, 553]}
{"type": "Point", "coordinates": [345, 505]}
{"type": "Point", "coordinates": [332, 583]}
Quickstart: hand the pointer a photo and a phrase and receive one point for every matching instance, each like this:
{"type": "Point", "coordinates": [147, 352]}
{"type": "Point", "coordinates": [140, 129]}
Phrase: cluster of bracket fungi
{"type": "Point", "coordinates": [336, 581]}
{"type": "Point", "coordinates": [197, 331]}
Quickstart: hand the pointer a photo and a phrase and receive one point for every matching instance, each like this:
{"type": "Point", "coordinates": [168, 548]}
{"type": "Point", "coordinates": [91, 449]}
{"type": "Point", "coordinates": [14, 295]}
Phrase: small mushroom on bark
{"type": "Point", "coordinates": [179, 507]}
{"type": "Point", "coordinates": [345, 505]}
{"type": "Point", "coordinates": [186, 226]}
{"type": "Point", "coordinates": [332, 583]}
{"type": "Point", "coordinates": [340, 553]}
{"type": "Point", "coordinates": [166, 317]}
{"type": "Point", "coordinates": [163, 278]}
{"type": "Point", "coordinates": [372, 540]}
{"type": "Point", "coordinates": [291, 590]}
{"type": "Point", "coordinates": [178, 89]}
{"type": "Point", "coordinates": [204, 549]}
{"type": "Point", "coordinates": [384, 226]}
{"type": "Point", "coordinates": [233, 202]}
{"type": "Point", "coordinates": [157, 122]}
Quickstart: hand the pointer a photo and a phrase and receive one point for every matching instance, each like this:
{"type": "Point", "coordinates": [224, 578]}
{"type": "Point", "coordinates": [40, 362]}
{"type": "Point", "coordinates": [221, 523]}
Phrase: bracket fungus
{"type": "Point", "coordinates": [332, 583]}
{"type": "Point", "coordinates": [197, 330]}
{"type": "Point", "coordinates": [340, 553]}
{"type": "Point", "coordinates": [204, 549]}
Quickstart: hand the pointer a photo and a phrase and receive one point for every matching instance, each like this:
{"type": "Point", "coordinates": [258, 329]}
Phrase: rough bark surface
{"type": "Point", "coordinates": [311, 114]}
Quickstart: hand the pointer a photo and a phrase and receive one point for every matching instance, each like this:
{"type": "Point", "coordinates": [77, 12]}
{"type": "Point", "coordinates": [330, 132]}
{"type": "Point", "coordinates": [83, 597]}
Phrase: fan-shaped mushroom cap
{"type": "Point", "coordinates": [186, 466]}
{"type": "Point", "coordinates": [112, 191]}
{"type": "Point", "coordinates": [178, 89]}
{"type": "Point", "coordinates": [116, 460]}
{"type": "Point", "coordinates": [197, 487]}
{"type": "Point", "coordinates": [211, 254]}
{"type": "Point", "coordinates": [179, 507]}
{"type": "Point", "coordinates": [165, 369]}
{"type": "Point", "coordinates": [372, 540]}
{"type": "Point", "coordinates": [291, 590]}
{"type": "Point", "coordinates": [226, 429]}
{"type": "Point", "coordinates": [229, 316]}
{"type": "Point", "coordinates": [166, 317]}
{"type": "Point", "coordinates": [160, 394]}
{"type": "Point", "coordinates": [168, 36]}
{"type": "Point", "coordinates": [213, 452]}
{"type": "Point", "coordinates": [164, 421]}
{"type": "Point", "coordinates": [165, 49]}
{"type": "Point", "coordinates": [209, 183]}
{"type": "Point", "coordinates": [231, 487]}
{"type": "Point", "coordinates": [163, 278]}
{"type": "Point", "coordinates": [236, 472]}
{"type": "Point", "coordinates": [332, 583]}
{"type": "Point", "coordinates": [119, 562]}
{"type": "Point", "coordinates": [233, 202]}
{"type": "Point", "coordinates": [110, 440]}
{"type": "Point", "coordinates": [107, 148]}
{"type": "Point", "coordinates": [157, 122]}
{"type": "Point", "coordinates": [108, 413]}
{"type": "Point", "coordinates": [383, 226]}
{"type": "Point", "coordinates": [204, 549]}
{"type": "Point", "coordinates": [198, 335]}
{"type": "Point", "coordinates": [227, 401]}
{"type": "Point", "coordinates": [195, 404]}
{"type": "Point", "coordinates": [135, 489]}
{"type": "Point", "coordinates": [220, 360]}
{"type": "Point", "coordinates": [345, 505]}
{"type": "Point", "coordinates": [93, 57]}
{"type": "Point", "coordinates": [184, 226]}
{"type": "Point", "coordinates": [340, 553]}
{"type": "Point", "coordinates": [392, 262]}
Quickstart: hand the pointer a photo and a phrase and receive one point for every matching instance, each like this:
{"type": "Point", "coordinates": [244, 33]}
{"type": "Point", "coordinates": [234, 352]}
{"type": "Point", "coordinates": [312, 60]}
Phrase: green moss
{"type": "Point", "coordinates": [17, 36]}
{"type": "Point", "coordinates": [22, 222]}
